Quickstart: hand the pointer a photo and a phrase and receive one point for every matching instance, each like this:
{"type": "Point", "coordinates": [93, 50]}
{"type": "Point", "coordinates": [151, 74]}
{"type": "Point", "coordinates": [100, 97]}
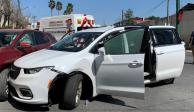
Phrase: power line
{"type": "Point", "coordinates": [155, 7]}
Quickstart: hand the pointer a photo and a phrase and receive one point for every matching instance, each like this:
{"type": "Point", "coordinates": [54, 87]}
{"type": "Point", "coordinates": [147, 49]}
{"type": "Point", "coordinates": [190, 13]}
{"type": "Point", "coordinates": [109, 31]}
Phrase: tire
{"type": "Point", "coordinates": [3, 85]}
{"type": "Point", "coordinates": [71, 92]}
{"type": "Point", "coordinates": [169, 81]}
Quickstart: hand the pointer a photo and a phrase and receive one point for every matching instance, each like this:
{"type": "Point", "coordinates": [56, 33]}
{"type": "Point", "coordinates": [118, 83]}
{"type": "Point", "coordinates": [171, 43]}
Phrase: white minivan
{"type": "Point", "coordinates": [111, 60]}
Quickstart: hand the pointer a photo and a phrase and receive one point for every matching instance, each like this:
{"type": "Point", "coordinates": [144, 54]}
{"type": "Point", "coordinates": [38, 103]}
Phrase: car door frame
{"type": "Point", "coordinates": [170, 54]}
{"type": "Point", "coordinates": [126, 91]}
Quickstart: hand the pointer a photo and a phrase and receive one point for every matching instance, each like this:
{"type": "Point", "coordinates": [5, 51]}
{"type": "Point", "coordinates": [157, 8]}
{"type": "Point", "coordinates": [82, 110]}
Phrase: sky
{"type": "Point", "coordinates": [104, 11]}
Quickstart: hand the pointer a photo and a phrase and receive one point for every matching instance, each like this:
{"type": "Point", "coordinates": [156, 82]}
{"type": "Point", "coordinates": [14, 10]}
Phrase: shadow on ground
{"type": "Point", "coordinates": [26, 107]}
{"type": "Point", "coordinates": [153, 85]}
{"type": "Point", "coordinates": [109, 99]}
{"type": "Point", "coordinates": [189, 63]}
{"type": "Point", "coordinates": [101, 98]}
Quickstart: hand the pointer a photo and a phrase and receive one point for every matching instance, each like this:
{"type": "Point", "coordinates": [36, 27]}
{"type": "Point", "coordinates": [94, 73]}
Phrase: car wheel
{"type": "Point", "coordinates": [169, 81]}
{"type": "Point", "coordinates": [71, 92]}
{"type": "Point", "coordinates": [3, 85]}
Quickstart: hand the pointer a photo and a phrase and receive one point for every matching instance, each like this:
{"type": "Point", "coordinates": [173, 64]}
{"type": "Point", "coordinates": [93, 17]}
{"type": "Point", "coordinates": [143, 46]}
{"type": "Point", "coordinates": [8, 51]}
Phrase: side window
{"type": "Point", "coordinates": [128, 42]}
{"type": "Point", "coordinates": [166, 37]}
{"type": "Point", "coordinates": [101, 42]}
{"type": "Point", "coordinates": [134, 40]}
{"type": "Point", "coordinates": [48, 37]}
{"type": "Point", "coordinates": [40, 38]}
{"type": "Point", "coordinates": [27, 38]}
{"type": "Point", "coordinates": [115, 46]}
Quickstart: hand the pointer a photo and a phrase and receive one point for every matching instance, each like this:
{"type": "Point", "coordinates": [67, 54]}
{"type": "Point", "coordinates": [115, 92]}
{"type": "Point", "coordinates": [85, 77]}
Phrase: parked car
{"type": "Point", "coordinates": [17, 43]}
{"type": "Point", "coordinates": [113, 61]}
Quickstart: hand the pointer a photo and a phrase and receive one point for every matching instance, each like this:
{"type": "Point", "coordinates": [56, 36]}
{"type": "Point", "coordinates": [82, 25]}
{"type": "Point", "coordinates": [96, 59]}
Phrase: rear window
{"type": "Point", "coordinates": [6, 38]}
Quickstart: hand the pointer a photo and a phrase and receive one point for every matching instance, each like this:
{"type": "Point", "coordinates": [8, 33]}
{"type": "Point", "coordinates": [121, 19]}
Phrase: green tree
{"type": "Point", "coordinates": [153, 18]}
{"type": "Point", "coordinates": [52, 5]}
{"type": "Point", "coordinates": [69, 9]}
{"type": "Point", "coordinates": [59, 6]}
{"type": "Point", "coordinates": [6, 11]}
{"type": "Point", "coordinates": [128, 15]}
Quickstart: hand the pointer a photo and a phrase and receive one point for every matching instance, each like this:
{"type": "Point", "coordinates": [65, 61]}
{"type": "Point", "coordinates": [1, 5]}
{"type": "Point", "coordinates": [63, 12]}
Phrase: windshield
{"type": "Point", "coordinates": [66, 34]}
{"type": "Point", "coordinates": [6, 38]}
{"type": "Point", "coordinates": [75, 42]}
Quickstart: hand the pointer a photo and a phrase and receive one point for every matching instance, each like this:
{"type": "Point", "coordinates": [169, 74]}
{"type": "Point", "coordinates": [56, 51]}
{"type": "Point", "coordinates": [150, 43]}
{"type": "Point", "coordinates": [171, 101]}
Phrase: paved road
{"type": "Point", "coordinates": [177, 97]}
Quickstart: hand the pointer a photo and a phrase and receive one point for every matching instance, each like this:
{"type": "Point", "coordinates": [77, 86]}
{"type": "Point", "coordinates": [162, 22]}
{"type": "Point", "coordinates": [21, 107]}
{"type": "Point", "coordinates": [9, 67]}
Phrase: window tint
{"type": "Point", "coordinates": [40, 38]}
{"type": "Point", "coordinates": [134, 39]}
{"type": "Point", "coordinates": [50, 37]}
{"type": "Point", "coordinates": [102, 41]}
{"type": "Point", "coordinates": [6, 38]}
{"type": "Point", "coordinates": [27, 38]}
{"type": "Point", "coordinates": [115, 46]}
{"type": "Point", "coordinates": [165, 37]}
{"type": "Point", "coordinates": [128, 42]}
{"type": "Point", "coordinates": [47, 38]}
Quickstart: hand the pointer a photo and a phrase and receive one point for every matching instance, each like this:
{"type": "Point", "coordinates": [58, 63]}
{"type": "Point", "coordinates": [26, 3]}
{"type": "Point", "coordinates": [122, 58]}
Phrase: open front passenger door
{"type": "Point", "coordinates": [121, 71]}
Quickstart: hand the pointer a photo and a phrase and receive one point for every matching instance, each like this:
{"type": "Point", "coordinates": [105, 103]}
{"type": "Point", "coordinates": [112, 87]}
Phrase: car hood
{"type": "Point", "coordinates": [44, 58]}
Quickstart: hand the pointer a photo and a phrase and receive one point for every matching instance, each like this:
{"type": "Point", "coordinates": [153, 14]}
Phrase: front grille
{"type": "Point", "coordinates": [14, 72]}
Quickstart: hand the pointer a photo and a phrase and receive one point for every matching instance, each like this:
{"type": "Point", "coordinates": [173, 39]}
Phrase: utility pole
{"type": "Point", "coordinates": [177, 14]}
{"type": "Point", "coordinates": [19, 7]}
{"type": "Point", "coordinates": [168, 19]}
{"type": "Point", "coordinates": [122, 18]}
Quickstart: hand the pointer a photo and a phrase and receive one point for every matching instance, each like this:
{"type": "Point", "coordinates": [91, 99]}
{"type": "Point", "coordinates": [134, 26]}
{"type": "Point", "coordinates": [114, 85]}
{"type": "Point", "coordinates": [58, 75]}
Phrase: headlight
{"type": "Point", "coordinates": [35, 70]}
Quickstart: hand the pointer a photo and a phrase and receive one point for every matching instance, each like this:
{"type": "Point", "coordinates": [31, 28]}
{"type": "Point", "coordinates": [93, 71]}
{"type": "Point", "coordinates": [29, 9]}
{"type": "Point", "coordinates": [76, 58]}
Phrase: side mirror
{"type": "Point", "coordinates": [101, 51]}
{"type": "Point", "coordinates": [25, 45]}
{"type": "Point", "coordinates": [183, 43]}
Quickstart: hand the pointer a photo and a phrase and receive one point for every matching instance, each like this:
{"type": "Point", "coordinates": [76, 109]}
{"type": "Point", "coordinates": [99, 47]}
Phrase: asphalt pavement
{"type": "Point", "coordinates": [177, 97]}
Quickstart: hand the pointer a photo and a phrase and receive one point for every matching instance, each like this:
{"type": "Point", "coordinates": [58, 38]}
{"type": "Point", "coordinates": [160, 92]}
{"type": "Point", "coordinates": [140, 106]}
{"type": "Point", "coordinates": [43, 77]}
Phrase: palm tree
{"type": "Point", "coordinates": [59, 6]}
{"type": "Point", "coordinates": [69, 9]}
{"type": "Point", "coordinates": [52, 6]}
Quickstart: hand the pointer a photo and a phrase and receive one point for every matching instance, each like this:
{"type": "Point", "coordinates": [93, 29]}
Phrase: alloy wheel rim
{"type": "Point", "coordinates": [6, 89]}
{"type": "Point", "coordinates": [79, 92]}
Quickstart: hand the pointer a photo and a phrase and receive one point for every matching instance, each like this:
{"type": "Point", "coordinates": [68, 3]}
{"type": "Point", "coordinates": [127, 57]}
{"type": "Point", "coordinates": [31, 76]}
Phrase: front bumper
{"type": "Point", "coordinates": [31, 88]}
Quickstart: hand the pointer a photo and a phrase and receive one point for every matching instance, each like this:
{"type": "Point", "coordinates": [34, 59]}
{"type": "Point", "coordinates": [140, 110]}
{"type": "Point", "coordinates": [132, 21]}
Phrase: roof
{"type": "Point", "coordinates": [153, 27]}
{"type": "Point", "coordinates": [104, 29]}
{"type": "Point", "coordinates": [188, 7]}
{"type": "Point", "coordinates": [101, 29]}
{"type": "Point", "coordinates": [15, 30]}
{"type": "Point", "coordinates": [11, 30]}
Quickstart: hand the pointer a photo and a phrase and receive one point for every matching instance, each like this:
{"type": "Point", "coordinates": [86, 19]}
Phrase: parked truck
{"type": "Point", "coordinates": [60, 25]}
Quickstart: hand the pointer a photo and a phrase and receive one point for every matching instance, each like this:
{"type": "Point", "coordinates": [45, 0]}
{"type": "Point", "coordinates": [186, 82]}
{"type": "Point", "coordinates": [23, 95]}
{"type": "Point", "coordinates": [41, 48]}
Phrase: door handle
{"type": "Point", "coordinates": [135, 64]}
